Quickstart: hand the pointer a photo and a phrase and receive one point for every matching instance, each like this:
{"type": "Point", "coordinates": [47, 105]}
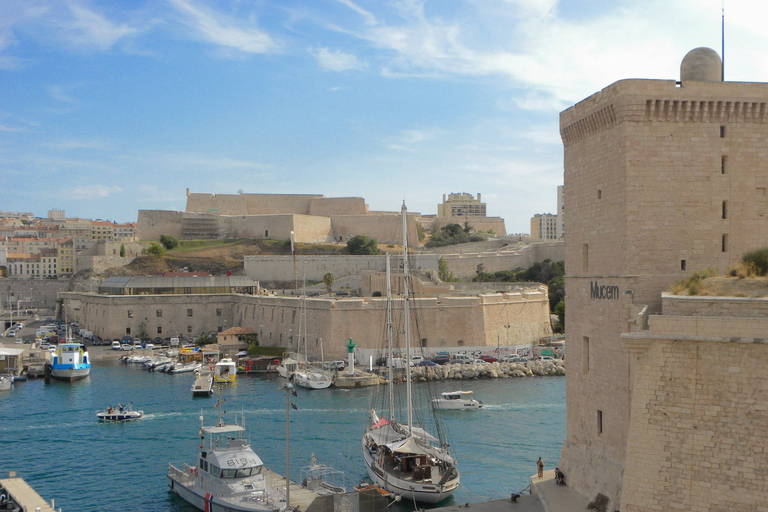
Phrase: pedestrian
{"type": "Point", "coordinates": [540, 466]}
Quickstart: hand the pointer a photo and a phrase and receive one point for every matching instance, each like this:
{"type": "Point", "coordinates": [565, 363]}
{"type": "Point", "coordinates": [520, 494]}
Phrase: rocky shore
{"type": "Point", "coordinates": [488, 370]}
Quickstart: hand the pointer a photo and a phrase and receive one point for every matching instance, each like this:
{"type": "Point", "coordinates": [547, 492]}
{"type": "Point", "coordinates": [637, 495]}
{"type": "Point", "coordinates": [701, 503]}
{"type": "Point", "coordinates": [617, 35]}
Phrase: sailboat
{"type": "Point", "coordinates": [306, 376]}
{"type": "Point", "coordinates": [400, 456]}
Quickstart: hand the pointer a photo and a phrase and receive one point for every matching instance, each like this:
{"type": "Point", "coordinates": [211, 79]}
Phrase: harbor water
{"type": "Point", "coordinates": [50, 436]}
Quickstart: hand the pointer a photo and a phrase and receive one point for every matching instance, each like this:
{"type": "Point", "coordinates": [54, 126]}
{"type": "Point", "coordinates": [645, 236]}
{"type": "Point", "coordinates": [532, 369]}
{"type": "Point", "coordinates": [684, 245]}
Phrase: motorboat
{"type": "Point", "coordinates": [225, 371]}
{"type": "Point", "coordinates": [203, 385]}
{"type": "Point", "coordinates": [5, 383]}
{"type": "Point", "coordinates": [311, 378]}
{"type": "Point", "coordinates": [70, 361]}
{"type": "Point", "coordinates": [185, 368]}
{"type": "Point", "coordinates": [457, 400]}
{"type": "Point", "coordinates": [287, 366]}
{"type": "Point", "coordinates": [400, 455]}
{"type": "Point", "coordinates": [227, 474]}
{"type": "Point", "coordinates": [119, 413]}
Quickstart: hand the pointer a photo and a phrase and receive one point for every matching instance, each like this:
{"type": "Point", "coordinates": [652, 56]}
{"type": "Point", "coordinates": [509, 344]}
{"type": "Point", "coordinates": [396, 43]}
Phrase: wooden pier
{"type": "Point", "coordinates": [23, 495]}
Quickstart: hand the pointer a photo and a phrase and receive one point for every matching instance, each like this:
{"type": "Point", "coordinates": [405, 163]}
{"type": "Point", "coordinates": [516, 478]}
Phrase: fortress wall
{"type": "Point", "coordinates": [312, 229]}
{"type": "Point", "coordinates": [153, 223]}
{"type": "Point", "coordinates": [714, 306]}
{"type": "Point", "coordinates": [386, 229]}
{"type": "Point", "coordinates": [41, 292]}
{"type": "Point", "coordinates": [328, 206]}
{"type": "Point", "coordinates": [281, 268]}
{"type": "Point", "coordinates": [277, 227]}
{"type": "Point", "coordinates": [270, 204]}
{"type": "Point", "coordinates": [698, 419]}
{"type": "Point", "coordinates": [477, 223]}
{"type": "Point", "coordinates": [465, 265]}
{"type": "Point", "coordinates": [466, 323]}
{"type": "Point", "coordinates": [223, 204]}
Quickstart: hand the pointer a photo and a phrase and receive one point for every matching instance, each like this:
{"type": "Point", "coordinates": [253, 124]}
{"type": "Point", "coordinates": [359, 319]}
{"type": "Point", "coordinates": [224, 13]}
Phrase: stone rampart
{"type": "Point", "coordinates": [386, 229]}
{"type": "Point", "coordinates": [466, 322]}
{"type": "Point", "coordinates": [484, 224]}
{"type": "Point", "coordinates": [329, 206]}
{"type": "Point", "coordinates": [41, 292]}
{"type": "Point", "coordinates": [153, 223]}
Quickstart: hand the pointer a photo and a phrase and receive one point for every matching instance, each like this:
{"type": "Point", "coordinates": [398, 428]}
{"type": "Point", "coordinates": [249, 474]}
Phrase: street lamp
{"type": "Point", "coordinates": [289, 390]}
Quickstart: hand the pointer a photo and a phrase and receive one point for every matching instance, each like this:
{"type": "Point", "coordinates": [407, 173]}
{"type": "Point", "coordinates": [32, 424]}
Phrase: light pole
{"type": "Point", "coordinates": [289, 390]}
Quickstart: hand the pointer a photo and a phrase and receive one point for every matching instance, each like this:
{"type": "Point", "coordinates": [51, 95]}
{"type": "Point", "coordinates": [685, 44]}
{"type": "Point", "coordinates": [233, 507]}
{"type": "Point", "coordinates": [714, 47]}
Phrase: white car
{"type": "Point", "coordinates": [116, 345]}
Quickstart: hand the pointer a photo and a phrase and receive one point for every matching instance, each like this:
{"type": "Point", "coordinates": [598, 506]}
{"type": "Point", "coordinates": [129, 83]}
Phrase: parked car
{"type": "Point", "coordinates": [336, 365]}
{"type": "Point", "coordinates": [126, 346]}
{"type": "Point", "coordinates": [116, 345]}
{"type": "Point", "coordinates": [477, 361]}
{"type": "Point", "coordinates": [459, 361]}
{"type": "Point", "coordinates": [149, 346]}
{"type": "Point", "coordinates": [489, 359]}
{"type": "Point", "coordinates": [441, 359]}
{"type": "Point", "coordinates": [427, 362]}
{"type": "Point", "coordinates": [96, 340]}
{"type": "Point", "coordinates": [546, 358]}
{"type": "Point", "coordinates": [416, 360]}
{"type": "Point", "coordinates": [126, 339]}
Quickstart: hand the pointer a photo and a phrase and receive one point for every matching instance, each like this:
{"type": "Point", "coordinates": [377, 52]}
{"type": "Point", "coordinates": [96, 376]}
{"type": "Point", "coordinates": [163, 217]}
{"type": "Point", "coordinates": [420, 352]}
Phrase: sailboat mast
{"type": "Point", "coordinates": [407, 321]}
{"type": "Point", "coordinates": [304, 313]}
{"type": "Point", "coordinates": [390, 362]}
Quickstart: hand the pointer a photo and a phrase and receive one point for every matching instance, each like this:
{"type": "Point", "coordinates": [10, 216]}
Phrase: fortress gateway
{"type": "Point", "coordinates": [667, 402]}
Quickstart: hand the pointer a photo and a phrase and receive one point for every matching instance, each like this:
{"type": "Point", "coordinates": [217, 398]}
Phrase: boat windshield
{"type": "Point", "coordinates": [234, 473]}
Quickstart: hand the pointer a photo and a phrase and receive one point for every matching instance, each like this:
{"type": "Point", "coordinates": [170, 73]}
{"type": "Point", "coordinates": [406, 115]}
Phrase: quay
{"type": "Point", "coordinates": [20, 493]}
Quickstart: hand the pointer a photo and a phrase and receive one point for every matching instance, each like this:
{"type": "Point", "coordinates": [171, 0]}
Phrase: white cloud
{"type": "Point", "coordinates": [408, 139]}
{"type": "Point", "coordinates": [335, 60]}
{"type": "Point", "coordinates": [92, 29]}
{"type": "Point", "coordinates": [225, 31]}
{"type": "Point", "coordinates": [368, 18]}
{"type": "Point", "coordinates": [92, 191]}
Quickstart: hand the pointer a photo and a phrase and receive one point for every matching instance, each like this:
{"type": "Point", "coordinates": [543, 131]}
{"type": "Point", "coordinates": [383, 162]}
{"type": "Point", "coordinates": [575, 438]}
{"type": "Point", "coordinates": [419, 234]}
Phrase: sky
{"type": "Point", "coordinates": [110, 107]}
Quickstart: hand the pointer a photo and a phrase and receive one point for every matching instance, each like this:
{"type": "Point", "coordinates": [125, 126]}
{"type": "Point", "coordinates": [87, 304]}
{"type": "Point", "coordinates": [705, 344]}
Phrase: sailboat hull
{"type": "Point", "coordinates": [409, 489]}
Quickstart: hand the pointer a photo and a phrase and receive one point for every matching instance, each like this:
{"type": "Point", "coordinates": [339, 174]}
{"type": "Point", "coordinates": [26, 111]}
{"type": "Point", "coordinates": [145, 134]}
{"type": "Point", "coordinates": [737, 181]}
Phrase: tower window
{"type": "Point", "coordinates": [722, 164]}
{"type": "Point", "coordinates": [682, 264]}
{"type": "Point", "coordinates": [725, 243]}
{"type": "Point", "coordinates": [585, 355]}
{"type": "Point", "coordinates": [599, 194]}
{"type": "Point", "coordinates": [585, 258]}
{"type": "Point", "coordinates": [599, 422]}
{"type": "Point", "coordinates": [725, 209]}
{"type": "Point", "coordinates": [722, 132]}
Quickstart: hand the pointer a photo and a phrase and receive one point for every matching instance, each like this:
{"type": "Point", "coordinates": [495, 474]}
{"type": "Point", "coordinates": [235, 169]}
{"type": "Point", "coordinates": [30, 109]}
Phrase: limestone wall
{"type": "Point", "coordinates": [386, 229]}
{"type": "Point", "coordinates": [42, 292]}
{"type": "Point", "coordinates": [462, 322]}
{"type": "Point", "coordinates": [329, 206]}
{"type": "Point", "coordinates": [699, 415]}
{"type": "Point", "coordinates": [153, 223]}
{"type": "Point", "coordinates": [496, 224]}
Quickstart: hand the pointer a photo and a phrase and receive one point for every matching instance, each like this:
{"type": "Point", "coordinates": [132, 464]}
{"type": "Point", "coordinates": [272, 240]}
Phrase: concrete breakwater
{"type": "Point", "coordinates": [488, 370]}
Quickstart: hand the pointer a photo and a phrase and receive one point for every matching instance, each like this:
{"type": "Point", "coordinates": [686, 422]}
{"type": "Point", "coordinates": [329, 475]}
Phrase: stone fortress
{"type": "Point", "coordinates": [312, 218]}
{"type": "Point", "coordinates": [667, 406]}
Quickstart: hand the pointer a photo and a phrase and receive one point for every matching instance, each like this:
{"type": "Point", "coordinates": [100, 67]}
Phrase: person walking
{"type": "Point", "coordinates": [540, 466]}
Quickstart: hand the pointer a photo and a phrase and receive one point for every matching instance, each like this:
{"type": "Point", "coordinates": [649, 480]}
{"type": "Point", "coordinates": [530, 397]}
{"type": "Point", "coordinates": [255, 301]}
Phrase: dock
{"type": "Point", "coordinates": [25, 496]}
{"type": "Point", "coordinates": [301, 497]}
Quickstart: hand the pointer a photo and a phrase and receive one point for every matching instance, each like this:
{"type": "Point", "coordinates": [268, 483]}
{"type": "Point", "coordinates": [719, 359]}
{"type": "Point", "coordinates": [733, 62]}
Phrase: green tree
{"type": "Point", "coordinates": [420, 231]}
{"type": "Point", "coordinates": [122, 250]}
{"type": "Point", "coordinates": [253, 346]}
{"type": "Point", "coordinates": [169, 242]}
{"type": "Point", "coordinates": [363, 245]}
{"type": "Point", "coordinates": [480, 269]}
{"type": "Point", "coordinates": [328, 279]}
{"type": "Point", "coordinates": [155, 249]}
{"type": "Point", "coordinates": [442, 270]}
{"type": "Point", "coordinates": [560, 312]}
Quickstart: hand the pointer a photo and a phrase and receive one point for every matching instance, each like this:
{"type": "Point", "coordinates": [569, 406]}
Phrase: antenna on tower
{"type": "Point", "coordinates": [722, 51]}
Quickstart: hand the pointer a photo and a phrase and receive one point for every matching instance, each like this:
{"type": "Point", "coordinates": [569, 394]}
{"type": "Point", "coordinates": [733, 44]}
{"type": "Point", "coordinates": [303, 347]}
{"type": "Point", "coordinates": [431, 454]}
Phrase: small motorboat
{"type": "Point", "coordinates": [203, 385]}
{"type": "Point", "coordinates": [5, 383]}
{"type": "Point", "coordinates": [185, 368]}
{"type": "Point", "coordinates": [457, 400]}
{"type": "Point", "coordinates": [119, 413]}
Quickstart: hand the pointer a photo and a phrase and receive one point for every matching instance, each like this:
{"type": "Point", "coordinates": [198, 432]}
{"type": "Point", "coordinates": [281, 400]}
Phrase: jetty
{"type": "Point", "coordinates": [23, 495]}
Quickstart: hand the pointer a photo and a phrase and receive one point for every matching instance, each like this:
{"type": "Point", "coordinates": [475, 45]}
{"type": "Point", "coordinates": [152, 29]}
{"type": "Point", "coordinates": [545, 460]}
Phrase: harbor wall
{"type": "Point", "coordinates": [508, 319]}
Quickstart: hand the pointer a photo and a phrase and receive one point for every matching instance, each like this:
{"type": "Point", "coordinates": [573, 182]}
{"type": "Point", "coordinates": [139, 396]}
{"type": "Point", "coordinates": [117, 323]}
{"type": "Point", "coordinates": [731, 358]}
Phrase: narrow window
{"type": "Point", "coordinates": [159, 329]}
{"type": "Point", "coordinates": [725, 209]}
{"type": "Point", "coordinates": [423, 342]}
{"type": "Point", "coordinates": [189, 312]}
{"type": "Point", "coordinates": [682, 264]}
{"type": "Point", "coordinates": [585, 258]}
{"type": "Point", "coordinates": [599, 194]}
{"type": "Point", "coordinates": [266, 233]}
{"type": "Point", "coordinates": [127, 331]}
{"type": "Point", "coordinates": [585, 354]}
{"type": "Point", "coordinates": [218, 329]}
{"type": "Point", "coordinates": [218, 311]}
{"type": "Point", "coordinates": [189, 329]}
{"type": "Point", "coordinates": [722, 132]}
{"type": "Point", "coordinates": [725, 243]}
{"type": "Point", "coordinates": [599, 422]}
{"type": "Point", "coordinates": [159, 313]}
{"type": "Point", "coordinates": [130, 313]}
{"type": "Point", "coordinates": [722, 164]}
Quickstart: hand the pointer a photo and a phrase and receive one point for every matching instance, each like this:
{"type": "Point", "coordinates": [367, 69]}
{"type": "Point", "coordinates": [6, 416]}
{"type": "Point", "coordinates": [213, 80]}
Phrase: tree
{"type": "Point", "coordinates": [480, 269]}
{"type": "Point", "coordinates": [420, 231]}
{"type": "Point", "coordinates": [169, 242]}
{"type": "Point", "coordinates": [442, 270]}
{"type": "Point", "coordinates": [155, 249]}
{"type": "Point", "coordinates": [122, 250]}
{"type": "Point", "coordinates": [560, 312]}
{"type": "Point", "coordinates": [253, 347]}
{"type": "Point", "coordinates": [363, 245]}
{"type": "Point", "coordinates": [328, 279]}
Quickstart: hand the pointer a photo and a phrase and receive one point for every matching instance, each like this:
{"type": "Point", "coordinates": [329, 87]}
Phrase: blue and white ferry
{"type": "Point", "coordinates": [70, 361]}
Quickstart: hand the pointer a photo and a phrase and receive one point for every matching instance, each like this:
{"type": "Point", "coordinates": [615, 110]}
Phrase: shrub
{"type": "Point", "coordinates": [169, 242]}
{"type": "Point", "coordinates": [693, 285]}
{"type": "Point", "coordinates": [759, 259]}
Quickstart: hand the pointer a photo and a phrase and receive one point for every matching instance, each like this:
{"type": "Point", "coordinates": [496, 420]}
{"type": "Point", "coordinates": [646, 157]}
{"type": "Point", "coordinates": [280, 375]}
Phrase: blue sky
{"type": "Point", "coordinates": [108, 107]}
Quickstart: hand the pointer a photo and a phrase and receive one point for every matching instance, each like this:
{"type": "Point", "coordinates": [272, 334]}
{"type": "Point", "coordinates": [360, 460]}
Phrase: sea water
{"type": "Point", "coordinates": [50, 436]}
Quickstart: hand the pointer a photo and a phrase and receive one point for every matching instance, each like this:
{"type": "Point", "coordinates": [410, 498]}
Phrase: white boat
{"type": "Point", "coordinates": [306, 376]}
{"type": "Point", "coordinates": [287, 366]}
{"type": "Point", "coordinates": [400, 456]}
{"type": "Point", "coordinates": [70, 361]}
{"type": "Point", "coordinates": [185, 368]}
{"type": "Point", "coordinates": [227, 474]}
{"type": "Point", "coordinates": [457, 400]}
{"type": "Point", "coordinates": [225, 371]}
{"type": "Point", "coordinates": [119, 414]}
{"type": "Point", "coordinates": [203, 385]}
{"type": "Point", "coordinates": [5, 383]}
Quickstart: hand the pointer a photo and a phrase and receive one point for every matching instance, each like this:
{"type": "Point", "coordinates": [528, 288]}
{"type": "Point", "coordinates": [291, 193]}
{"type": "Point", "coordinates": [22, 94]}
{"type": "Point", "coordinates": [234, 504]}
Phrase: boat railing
{"type": "Point", "coordinates": [185, 476]}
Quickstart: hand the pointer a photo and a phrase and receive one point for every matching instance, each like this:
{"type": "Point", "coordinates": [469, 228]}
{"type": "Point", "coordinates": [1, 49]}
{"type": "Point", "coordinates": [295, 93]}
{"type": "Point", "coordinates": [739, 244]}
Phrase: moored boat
{"type": "Point", "coordinates": [5, 383]}
{"type": "Point", "coordinates": [457, 400]}
{"type": "Point", "coordinates": [227, 474]}
{"type": "Point", "coordinates": [203, 385]}
{"type": "Point", "coordinates": [70, 362]}
{"type": "Point", "coordinates": [225, 371]}
{"type": "Point", "coordinates": [311, 378]}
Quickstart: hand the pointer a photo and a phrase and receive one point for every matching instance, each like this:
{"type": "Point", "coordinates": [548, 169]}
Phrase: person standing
{"type": "Point", "coordinates": [540, 466]}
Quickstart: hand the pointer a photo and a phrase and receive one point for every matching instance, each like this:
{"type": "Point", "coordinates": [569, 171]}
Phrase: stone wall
{"type": "Point", "coordinates": [105, 255]}
{"type": "Point", "coordinates": [477, 223]}
{"type": "Point", "coordinates": [153, 223]}
{"type": "Point", "coordinates": [699, 418]}
{"type": "Point", "coordinates": [42, 292]}
{"type": "Point", "coordinates": [386, 229]}
{"type": "Point", "coordinates": [453, 322]}
{"type": "Point", "coordinates": [329, 206]}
